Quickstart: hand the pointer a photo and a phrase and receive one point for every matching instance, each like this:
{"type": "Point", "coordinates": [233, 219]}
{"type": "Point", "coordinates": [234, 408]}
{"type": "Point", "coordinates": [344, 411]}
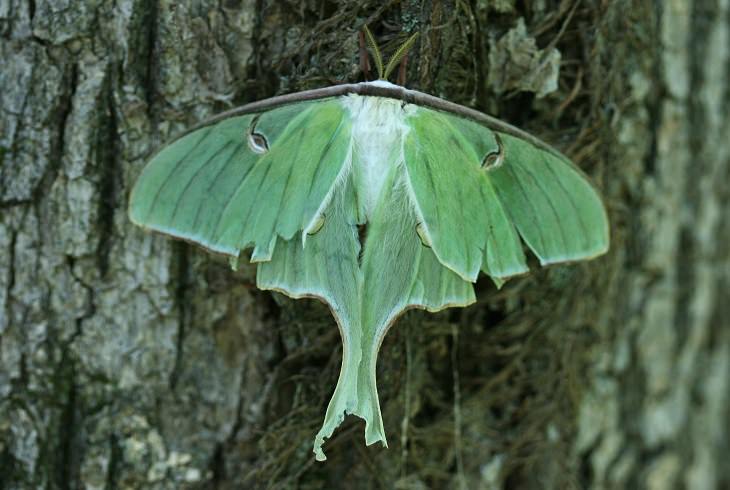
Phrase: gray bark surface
{"type": "Point", "coordinates": [129, 360]}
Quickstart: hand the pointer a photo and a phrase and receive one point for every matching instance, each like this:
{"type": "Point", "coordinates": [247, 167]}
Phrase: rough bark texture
{"type": "Point", "coordinates": [132, 361]}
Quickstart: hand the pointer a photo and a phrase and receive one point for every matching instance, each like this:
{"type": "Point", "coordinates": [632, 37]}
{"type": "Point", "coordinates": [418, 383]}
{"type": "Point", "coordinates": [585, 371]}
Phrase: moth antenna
{"type": "Point", "coordinates": [364, 58]}
{"type": "Point", "coordinates": [399, 54]}
{"type": "Point", "coordinates": [377, 57]}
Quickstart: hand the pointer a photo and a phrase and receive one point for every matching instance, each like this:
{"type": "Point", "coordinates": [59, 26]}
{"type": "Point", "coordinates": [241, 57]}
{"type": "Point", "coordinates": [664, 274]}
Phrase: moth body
{"type": "Point", "coordinates": [446, 192]}
{"type": "Point", "coordinates": [378, 130]}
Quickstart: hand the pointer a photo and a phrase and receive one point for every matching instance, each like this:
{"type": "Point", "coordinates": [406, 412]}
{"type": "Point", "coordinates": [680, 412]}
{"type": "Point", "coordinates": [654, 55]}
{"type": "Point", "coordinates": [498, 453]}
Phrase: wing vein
{"type": "Point", "coordinates": [534, 214]}
{"type": "Point", "coordinates": [538, 185]}
{"type": "Point", "coordinates": [569, 196]}
{"type": "Point", "coordinates": [175, 168]}
{"type": "Point", "coordinates": [214, 181]}
{"type": "Point", "coordinates": [194, 177]}
{"type": "Point", "coordinates": [490, 230]}
{"type": "Point", "coordinates": [289, 175]}
{"type": "Point", "coordinates": [238, 188]}
{"type": "Point", "coordinates": [326, 150]}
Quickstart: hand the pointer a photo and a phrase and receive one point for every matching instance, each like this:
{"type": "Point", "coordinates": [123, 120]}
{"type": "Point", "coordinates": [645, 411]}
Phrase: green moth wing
{"type": "Point", "coordinates": [476, 188]}
{"type": "Point", "coordinates": [364, 300]}
{"type": "Point", "coordinates": [208, 186]}
{"type": "Point", "coordinates": [442, 192]}
{"type": "Point", "coordinates": [557, 211]}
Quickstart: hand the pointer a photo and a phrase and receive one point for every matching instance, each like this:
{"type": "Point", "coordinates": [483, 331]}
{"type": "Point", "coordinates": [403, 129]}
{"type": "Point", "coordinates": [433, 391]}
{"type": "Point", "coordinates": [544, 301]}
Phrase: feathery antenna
{"type": "Point", "coordinates": [399, 54]}
{"type": "Point", "coordinates": [377, 57]}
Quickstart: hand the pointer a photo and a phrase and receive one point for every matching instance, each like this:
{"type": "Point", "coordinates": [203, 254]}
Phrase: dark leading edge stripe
{"type": "Point", "coordinates": [394, 92]}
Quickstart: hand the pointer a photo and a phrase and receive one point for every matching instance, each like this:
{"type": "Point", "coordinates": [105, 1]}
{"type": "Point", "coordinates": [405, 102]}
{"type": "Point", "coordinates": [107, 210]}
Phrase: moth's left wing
{"type": "Point", "coordinates": [247, 179]}
{"type": "Point", "coordinates": [477, 191]}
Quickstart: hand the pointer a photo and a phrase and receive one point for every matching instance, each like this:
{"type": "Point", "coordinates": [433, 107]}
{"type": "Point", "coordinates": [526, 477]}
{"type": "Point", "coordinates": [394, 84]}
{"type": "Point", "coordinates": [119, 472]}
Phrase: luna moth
{"type": "Point", "coordinates": [373, 198]}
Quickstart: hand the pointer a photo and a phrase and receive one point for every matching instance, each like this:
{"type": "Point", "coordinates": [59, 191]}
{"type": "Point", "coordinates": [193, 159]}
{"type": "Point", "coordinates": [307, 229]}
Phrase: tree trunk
{"type": "Point", "coordinates": [129, 360]}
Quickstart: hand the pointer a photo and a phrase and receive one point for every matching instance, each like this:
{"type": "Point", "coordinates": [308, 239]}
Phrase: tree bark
{"type": "Point", "coordinates": [129, 360]}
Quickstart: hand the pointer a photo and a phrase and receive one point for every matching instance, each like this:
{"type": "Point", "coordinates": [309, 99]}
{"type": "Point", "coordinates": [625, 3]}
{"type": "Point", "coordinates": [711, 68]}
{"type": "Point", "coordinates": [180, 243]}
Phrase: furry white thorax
{"type": "Point", "coordinates": [378, 130]}
{"type": "Point", "coordinates": [381, 83]}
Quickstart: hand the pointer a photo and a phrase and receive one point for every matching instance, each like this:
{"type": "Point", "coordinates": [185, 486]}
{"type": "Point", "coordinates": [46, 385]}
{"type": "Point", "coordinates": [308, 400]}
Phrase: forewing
{"type": "Point", "coordinates": [555, 208]}
{"type": "Point", "coordinates": [215, 188]}
{"type": "Point", "coordinates": [478, 190]}
{"type": "Point", "coordinates": [466, 224]}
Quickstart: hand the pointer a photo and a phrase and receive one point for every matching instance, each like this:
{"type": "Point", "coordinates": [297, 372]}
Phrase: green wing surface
{"type": "Point", "coordinates": [211, 187]}
{"type": "Point", "coordinates": [474, 212]}
{"type": "Point", "coordinates": [296, 185]}
{"type": "Point", "coordinates": [557, 211]}
{"type": "Point", "coordinates": [396, 272]}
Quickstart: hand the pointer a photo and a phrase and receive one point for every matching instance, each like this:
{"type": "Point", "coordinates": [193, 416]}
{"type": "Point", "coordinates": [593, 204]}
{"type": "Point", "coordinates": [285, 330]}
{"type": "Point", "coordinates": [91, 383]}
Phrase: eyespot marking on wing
{"type": "Point", "coordinates": [494, 159]}
{"type": "Point", "coordinates": [317, 225]}
{"type": "Point", "coordinates": [421, 232]}
{"type": "Point", "coordinates": [257, 142]}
